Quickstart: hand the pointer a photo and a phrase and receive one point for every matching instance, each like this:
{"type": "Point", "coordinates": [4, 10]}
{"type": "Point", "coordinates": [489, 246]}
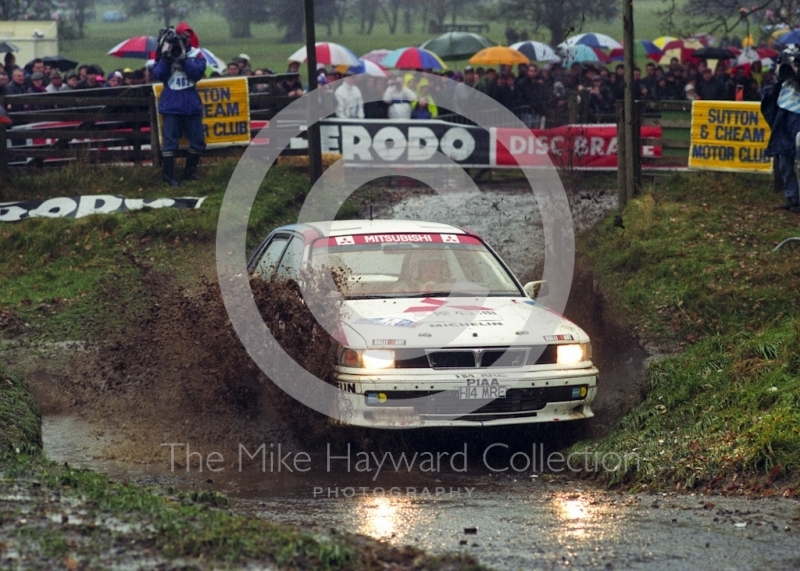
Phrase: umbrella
{"type": "Point", "coordinates": [8, 47]}
{"type": "Point", "coordinates": [328, 53]}
{"type": "Point", "coordinates": [663, 41]}
{"type": "Point", "coordinates": [364, 67]}
{"type": "Point", "coordinates": [681, 49]}
{"type": "Point", "coordinates": [457, 45]}
{"type": "Point", "coordinates": [60, 62]}
{"type": "Point", "coordinates": [713, 53]}
{"type": "Point", "coordinates": [592, 40]}
{"type": "Point", "coordinates": [376, 56]}
{"type": "Point", "coordinates": [775, 37]}
{"type": "Point", "coordinates": [213, 62]}
{"type": "Point", "coordinates": [536, 51]}
{"type": "Point", "coordinates": [651, 51]}
{"type": "Point", "coordinates": [412, 58]}
{"type": "Point", "coordinates": [498, 55]}
{"type": "Point", "coordinates": [139, 47]}
{"type": "Point", "coordinates": [580, 54]}
{"type": "Point", "coordinates": [792, 37]}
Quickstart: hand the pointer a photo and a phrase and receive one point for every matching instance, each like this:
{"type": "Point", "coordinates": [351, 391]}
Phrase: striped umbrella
{"type": "Point", "coordinates": [138, 47]}
{"type": "Point", "coordinates": [413, 58]}
{"type": "Point", "coordinates": [663, 41]}
{"type": "Point", "coordinates": [364, 67]}
{"type": "Point", "coordinates": [536, 51]}
{"type": "Point", "coordinates": [328, 53]}
{"type": "Point", "coordinates": [592, 40]}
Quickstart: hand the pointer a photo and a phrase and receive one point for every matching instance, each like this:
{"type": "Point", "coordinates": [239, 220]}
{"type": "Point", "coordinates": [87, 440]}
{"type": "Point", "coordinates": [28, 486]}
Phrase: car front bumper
{"type": "Point", "coordinates": [439, 397]}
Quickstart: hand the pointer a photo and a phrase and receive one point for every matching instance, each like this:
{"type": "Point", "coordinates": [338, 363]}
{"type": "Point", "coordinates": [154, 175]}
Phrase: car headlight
{"type": "Point", "coordinates": [573, 353]}
{"type": "Point", "coordinates": [367, 358]}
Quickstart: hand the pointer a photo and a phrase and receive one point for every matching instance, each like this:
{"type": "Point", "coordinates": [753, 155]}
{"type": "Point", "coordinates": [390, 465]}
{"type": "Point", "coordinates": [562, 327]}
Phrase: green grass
{"type": "Point", "coordinates": [265, 49]}
{"type": "Point", "coordinates": [20, 418]}
{"type": "Point", "coordinates": [693, 270]}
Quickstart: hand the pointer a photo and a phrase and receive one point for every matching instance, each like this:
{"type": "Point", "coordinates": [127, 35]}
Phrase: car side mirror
{"type": "Point", "coordinates": [535, 289]}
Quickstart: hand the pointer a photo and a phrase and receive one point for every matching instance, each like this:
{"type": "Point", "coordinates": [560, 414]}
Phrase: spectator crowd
{"type": "Point", "coordinates": [539, 95]}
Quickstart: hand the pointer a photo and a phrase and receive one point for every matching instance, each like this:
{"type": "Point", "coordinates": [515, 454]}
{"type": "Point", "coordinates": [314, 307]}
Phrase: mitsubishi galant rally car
{"type": "Point", "coordinates": [435, 330]}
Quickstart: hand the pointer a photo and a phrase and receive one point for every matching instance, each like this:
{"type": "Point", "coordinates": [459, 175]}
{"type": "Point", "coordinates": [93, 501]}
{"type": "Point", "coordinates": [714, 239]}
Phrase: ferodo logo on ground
{"type": "Point", "coordinates": [403, 142]}
{"type": "Point", "coordinates": [226, 111]}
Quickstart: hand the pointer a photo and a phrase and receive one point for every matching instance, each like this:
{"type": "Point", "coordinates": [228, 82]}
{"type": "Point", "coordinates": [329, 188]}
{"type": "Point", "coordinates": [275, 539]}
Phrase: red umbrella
{"type": "Point", "coordinates": [139, 47]}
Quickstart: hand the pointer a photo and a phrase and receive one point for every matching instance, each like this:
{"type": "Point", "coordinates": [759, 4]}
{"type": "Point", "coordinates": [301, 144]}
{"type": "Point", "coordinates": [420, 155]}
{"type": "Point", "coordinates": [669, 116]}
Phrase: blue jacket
{"type": "Point", "coordinates": [180, 96]}
{"type": "Point", "coordinates": [784, 124]}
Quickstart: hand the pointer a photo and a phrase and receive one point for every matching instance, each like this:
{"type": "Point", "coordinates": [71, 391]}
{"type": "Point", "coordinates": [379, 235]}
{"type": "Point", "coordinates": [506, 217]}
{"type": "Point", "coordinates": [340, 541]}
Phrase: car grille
{"type": "Point", "coordinates": [446, 404]}
{"type": "Point", "coordinates": [475, 357]}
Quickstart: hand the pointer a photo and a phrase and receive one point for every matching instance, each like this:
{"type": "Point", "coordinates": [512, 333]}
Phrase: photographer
{"type": "Point", "coordinates": [180, 65]}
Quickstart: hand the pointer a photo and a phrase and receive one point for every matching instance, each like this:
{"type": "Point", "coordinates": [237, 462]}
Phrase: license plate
{"type": "Point", "coordinates": [482, 393]}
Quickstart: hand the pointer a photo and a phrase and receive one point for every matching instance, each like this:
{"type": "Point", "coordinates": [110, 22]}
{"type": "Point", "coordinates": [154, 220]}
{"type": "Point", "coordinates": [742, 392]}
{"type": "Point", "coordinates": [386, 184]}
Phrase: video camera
{"type": "Point", "coordinates": [171, 46]}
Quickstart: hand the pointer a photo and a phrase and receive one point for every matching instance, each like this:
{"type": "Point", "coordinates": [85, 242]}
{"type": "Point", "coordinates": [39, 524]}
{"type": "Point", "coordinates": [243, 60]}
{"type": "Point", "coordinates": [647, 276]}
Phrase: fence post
{"type": "Point", "coordinates": [154, 145]}
{"type": "Point", "coordinates": [622, 192]}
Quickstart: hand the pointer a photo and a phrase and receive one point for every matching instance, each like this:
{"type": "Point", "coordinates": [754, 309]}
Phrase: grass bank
{"type": "Point", "coordinates": [694, 273]}
{"type": "Point", "coordinates": [62, 272]}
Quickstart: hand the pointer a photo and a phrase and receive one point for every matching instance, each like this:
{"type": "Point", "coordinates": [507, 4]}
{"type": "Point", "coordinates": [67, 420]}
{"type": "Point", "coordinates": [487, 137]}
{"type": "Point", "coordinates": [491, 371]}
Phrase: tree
{"type": "Point", "coordinates": [559, 17]}
{"type": "Point", "coordinates": [724, 16]}
{"type": "Point", "coordinates": [17, 9]}
{"type": "Point", "coordinates": [79, 8]}
{"type": "Point", "coordinates": [241, 13]}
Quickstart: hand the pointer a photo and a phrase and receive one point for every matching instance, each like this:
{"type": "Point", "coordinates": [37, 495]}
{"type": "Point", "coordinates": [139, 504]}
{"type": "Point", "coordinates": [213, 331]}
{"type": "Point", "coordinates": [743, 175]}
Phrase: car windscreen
{"type": "Point", "coordinates": [408, 265]}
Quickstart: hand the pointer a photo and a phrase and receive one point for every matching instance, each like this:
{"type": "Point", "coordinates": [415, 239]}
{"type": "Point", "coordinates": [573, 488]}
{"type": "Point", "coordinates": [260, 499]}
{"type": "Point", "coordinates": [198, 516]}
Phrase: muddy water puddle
{"type": "Point", "coordinates": [522, 522]}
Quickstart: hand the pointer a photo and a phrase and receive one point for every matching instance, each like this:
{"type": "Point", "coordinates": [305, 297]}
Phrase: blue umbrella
{"type": "Point", "coordinates": [792, 37]}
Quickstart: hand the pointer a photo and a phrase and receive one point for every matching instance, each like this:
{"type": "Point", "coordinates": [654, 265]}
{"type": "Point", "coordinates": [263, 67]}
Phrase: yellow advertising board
{"type": "Point", "coordinates": [226, 111]}
{"type": "Point", "coordinates": [729, 136]}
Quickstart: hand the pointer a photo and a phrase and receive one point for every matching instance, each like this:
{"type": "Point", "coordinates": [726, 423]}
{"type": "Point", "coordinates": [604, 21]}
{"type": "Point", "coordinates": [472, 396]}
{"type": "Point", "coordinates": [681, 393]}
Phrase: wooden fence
{"type": "Point", "coordinates": [107, 124]}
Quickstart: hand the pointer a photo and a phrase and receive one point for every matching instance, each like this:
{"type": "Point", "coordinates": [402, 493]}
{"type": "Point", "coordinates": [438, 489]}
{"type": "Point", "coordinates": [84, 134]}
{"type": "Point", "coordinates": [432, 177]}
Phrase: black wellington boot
{"type": "Point", "coordinates": [192, 160]}
{"type": "Point", "coordinates": [169, 171]}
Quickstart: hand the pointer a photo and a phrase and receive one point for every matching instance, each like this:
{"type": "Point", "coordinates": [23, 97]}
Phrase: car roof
{"type": "Point", "coordinates": [350, 227]}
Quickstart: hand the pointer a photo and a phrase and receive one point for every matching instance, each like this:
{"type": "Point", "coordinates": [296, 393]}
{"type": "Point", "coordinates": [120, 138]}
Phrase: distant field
{"type": "Point", "coordinates": [265, 49]}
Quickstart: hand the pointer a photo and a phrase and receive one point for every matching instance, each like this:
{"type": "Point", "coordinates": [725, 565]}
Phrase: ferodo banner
{"type": "Point", "coordinates": [79, 206]}
{"type": "Point", "coordinates": [226, 111]}
{"type": "Point", "coordinates": [729, 136]}
{"type": "Point", "coordinates": [415, 143]}
{"type": "Point", "coordinates": [376, 141]}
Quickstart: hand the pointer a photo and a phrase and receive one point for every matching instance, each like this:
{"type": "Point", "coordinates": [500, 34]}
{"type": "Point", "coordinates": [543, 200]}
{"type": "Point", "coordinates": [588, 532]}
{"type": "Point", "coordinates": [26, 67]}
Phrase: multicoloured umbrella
{"type": "Point", "coordinates": [592, 40]}
{"type": "Point", "coordinates": [376, 56]}
{"type": "Point", "coordinates": [681, 49]}
{"type": "Point", "coordinates": [651, 51]}
{"type": "Point", "coordinates": [499, 55]}
{"type": "Point", "coordinates": [138, 47]}
{"type": "Point", "coordinates": [413, 58]}
{"type": "Point", "coordinates": [328, 53]}
{"type": "Point", "coordinates": [457, 45]}
{"type": "Point", "coordinates": [536, 51]}
{"type": "Point", "coordinates": [793, 37]}
{"type": "Point", "coordinates": [364, 67]}
{"type": "Point", "coordinates": [663, 41]}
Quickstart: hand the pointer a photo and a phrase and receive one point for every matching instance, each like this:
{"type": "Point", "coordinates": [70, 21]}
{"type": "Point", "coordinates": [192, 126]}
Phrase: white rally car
{"type": "Point", "coordinates": [435, 329]}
